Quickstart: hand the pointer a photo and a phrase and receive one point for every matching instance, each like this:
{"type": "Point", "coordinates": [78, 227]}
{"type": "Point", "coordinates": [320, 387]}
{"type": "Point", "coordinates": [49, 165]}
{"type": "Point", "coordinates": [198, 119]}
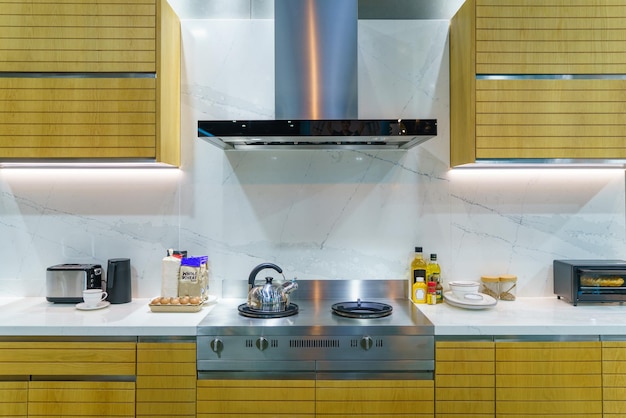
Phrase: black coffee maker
{"type": "Point", "coordinates": [118, 280]}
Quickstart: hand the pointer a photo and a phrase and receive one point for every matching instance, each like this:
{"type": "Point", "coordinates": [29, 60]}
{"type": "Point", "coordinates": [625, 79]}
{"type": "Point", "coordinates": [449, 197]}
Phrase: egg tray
{"type": "Point", "coordinates": [175, 308]}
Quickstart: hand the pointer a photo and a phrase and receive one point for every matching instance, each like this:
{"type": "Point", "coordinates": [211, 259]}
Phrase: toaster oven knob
{"type": "Point", "coordinates": [366, 343]}
{"type": "Point", "coordinates": [216, 345]}
{"type": "Point", "coordinates": [262, 343]}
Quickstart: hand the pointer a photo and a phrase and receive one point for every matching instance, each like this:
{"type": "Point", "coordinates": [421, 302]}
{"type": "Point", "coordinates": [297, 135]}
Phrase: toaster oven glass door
{"type": "Point", "coordinates": [601, 285]}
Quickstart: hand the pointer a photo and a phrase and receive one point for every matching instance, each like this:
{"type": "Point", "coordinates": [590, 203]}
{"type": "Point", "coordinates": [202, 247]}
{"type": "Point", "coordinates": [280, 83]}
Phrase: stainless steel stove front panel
{"type": "Point", "coordinates": [262, 348]}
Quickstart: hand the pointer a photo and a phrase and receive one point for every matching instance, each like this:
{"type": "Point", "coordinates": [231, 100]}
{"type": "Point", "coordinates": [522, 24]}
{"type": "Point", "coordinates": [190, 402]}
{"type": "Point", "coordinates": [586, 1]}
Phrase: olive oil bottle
{"type": "Point", "coordinates": [432, 268]}
{"type": "Point", "coordinates": [433, 274]}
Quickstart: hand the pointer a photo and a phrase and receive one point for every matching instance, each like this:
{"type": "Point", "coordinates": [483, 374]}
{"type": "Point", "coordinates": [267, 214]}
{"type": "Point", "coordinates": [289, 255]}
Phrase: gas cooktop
{"type": "Point", "coordinates": [315, 316]}
{"type": "Point", "coordinates": [316, 342]}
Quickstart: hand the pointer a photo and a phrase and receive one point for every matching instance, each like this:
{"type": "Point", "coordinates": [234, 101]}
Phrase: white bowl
{"type": "Point", "coordinates": [462, 287]}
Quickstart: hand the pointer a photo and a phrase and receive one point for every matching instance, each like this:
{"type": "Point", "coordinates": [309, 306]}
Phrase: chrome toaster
{"type": "Point", "coordinates": [65, 282]}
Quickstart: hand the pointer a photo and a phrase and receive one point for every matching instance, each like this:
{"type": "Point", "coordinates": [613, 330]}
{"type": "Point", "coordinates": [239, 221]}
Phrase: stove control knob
{"type": "Point", "coordinates": [262, 343]}
{"type": "Point", "coordinates": [366, 343]}
{"type": "Point", "coordinates": [216, 345]}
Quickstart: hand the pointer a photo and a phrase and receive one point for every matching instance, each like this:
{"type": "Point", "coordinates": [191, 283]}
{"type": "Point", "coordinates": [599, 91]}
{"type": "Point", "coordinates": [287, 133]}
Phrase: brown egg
{"type": "Point", "coordinates": [165, 301]}
{"type": "Point", "coordinates": [194, 300]}
{"type": "Point", "coordinates": [184, 300]}
{"type": "Point", "coordinates": [155, 301]}
{"type": "Point", "coordinates": [175, 301]}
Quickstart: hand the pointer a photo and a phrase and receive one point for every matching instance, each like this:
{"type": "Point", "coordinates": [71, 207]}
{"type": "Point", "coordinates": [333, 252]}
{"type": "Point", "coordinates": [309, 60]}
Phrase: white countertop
{"type": "Point", "coordinates": [37, 317]}
{"type": "Point", "coordinates": [529, 316]}
{"type": "Point", "coordinates": [525, 316]}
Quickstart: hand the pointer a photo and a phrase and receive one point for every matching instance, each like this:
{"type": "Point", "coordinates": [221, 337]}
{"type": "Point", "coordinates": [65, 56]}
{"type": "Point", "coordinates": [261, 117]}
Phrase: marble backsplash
{"type": "Point", "coordinates": [318, 214]}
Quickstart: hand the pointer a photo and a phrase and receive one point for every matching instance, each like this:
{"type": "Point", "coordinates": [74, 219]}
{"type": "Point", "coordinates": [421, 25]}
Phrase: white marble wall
{"type": "Point", "coordinates": [318, 214]}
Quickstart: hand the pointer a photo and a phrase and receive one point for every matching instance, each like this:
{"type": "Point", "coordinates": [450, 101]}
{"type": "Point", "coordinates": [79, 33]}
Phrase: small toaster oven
{"type": "Point", "coordinates": [590, 280]}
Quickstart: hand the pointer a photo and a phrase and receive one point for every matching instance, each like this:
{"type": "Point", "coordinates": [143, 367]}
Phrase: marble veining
{"type": "Point", "coordinates": [318, 214]}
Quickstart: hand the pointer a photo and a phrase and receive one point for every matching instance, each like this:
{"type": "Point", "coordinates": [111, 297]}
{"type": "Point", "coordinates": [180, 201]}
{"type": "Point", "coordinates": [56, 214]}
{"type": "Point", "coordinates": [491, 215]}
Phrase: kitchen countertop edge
{"type": "Point", "coordinates": [548, 316]}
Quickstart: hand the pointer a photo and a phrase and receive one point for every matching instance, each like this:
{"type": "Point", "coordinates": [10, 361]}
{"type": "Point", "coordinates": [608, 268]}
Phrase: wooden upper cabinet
{"type": "Point", "coordinates": [538, 80]}
{"type": "Point", "coordinates": [550, 37]}
{"type": "Point", "coordinates": [78, 36]}
{"type": "Point", "coordinates": [90, 79]}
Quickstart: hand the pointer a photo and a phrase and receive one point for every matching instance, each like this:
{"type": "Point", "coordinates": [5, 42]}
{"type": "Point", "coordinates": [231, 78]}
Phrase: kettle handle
{"type": "Point", "coordinates": [257, 269]}
{"type": "Point", "coordinates": [110, 275]}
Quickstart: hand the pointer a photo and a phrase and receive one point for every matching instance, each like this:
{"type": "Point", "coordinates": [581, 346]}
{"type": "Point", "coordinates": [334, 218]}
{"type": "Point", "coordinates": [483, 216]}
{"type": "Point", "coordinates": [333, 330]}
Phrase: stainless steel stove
{"type": "Point", "coordinates": [316, 342]}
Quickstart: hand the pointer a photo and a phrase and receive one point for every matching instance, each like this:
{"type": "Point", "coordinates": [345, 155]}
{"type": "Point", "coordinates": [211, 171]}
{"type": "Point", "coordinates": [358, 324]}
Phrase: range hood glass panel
{"type": "Point", "coordinates": [316, 59]}
{"type": "Point", "coordinates": [325, 134]}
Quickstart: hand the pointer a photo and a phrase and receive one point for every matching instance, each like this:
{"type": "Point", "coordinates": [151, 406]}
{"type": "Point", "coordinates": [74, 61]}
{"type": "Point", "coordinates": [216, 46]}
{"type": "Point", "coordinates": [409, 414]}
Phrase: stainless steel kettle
{"type": "Point", "coordinates": [269, 297]}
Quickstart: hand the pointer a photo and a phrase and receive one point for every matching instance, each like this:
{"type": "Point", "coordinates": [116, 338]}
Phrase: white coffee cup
{"type": "Point", "coordinates": [92, 297]}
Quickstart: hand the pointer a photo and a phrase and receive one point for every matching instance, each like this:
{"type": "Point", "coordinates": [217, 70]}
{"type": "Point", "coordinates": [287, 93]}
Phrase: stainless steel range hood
{"type": "Point", "coordinates": [316, 89]}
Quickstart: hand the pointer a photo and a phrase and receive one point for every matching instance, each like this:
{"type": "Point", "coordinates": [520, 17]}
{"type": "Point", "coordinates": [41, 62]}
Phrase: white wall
{"type": "Point", "coordinates": [318, 214]}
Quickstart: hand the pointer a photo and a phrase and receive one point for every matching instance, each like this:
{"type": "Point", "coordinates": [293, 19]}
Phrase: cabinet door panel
{"type": "Point", "coordinates": [555, 37]}
{"type": "Point", "coordinates": [464, 379]}
{"type": "Point", "coordinates": [96, 399]}
{"type": "Point", "coordinates": [78, 117]}
{"type": "Point", "coordinates": [377, 397]}
{"type": "Point", "coordinates": [549, 378]}
{"type": "Point", "coordinates": [550, 119]}
{"type": "Point", "coordinates": [13, 399]}
{"type": "Point", "coordinates": [84, 36]}
{"type": "Point", "coordinates": [166, 379]}
{"type": "Point", "coordinates": [67, 358]}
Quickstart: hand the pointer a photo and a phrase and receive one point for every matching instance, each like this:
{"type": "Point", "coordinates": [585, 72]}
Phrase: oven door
{"type": "Point", "coordinates": [601, 284]}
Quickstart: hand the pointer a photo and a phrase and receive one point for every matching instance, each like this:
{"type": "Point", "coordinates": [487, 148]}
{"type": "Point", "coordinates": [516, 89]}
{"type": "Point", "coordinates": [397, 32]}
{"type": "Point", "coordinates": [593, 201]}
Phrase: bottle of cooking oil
{"type": "Point", "coordinates": [433, 274]}
{"type": "Point", "coordinates": [418, 269]}
{"type": "Point", "coordinates": [432, 268]}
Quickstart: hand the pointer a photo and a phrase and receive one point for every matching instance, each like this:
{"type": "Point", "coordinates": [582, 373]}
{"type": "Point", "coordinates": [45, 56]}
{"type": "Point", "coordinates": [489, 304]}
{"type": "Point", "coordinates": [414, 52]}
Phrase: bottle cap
{"type": "Point", "coordinates": [418, 249]}
{"type": "Point", "coordinates": [508, 278]}
{"type": "Point", "coordinates": [490, 278]}
{"type": "Point", "coordinates": [419, 279]}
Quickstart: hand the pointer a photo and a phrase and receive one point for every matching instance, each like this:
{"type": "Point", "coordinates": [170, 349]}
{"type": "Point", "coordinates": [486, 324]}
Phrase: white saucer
{"type": "Point", "coordinates": [471, 301]}
{"type": "Point", "coordinates": [82, 307]}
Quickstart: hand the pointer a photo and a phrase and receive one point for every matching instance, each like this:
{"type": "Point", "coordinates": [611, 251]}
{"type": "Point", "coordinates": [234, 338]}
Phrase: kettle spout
{"type": "Point", "coordinates": [289, 287]}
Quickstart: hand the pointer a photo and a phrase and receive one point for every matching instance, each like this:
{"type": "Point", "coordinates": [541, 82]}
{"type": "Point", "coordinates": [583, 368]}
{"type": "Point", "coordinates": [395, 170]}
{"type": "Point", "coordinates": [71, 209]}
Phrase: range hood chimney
{"type": "Point", "coordinates": [316, 89]}
{"type": "Point", "coordinates": [316, 59]}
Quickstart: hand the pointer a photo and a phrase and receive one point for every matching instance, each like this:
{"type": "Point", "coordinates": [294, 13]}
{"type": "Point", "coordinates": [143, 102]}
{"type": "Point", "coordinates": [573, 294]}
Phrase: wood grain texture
{"type": "Point", "coordinates": [549, 378]}
{"type": "Point", "coordinates": [614, 378]}
{"type": "Point", "coordinates": [41, 358]}
{"type": "Point", "coordinates": [13, 399]}
{"type": "Point", "coordinates": [551, 118]}
{"type": "Point", "coordinates": [242, 398]}
{"type": "Point", "coordinates": [551, 37]}
{"type": "Point", "coordinates": [77, 117]}
{"type": "Point", "coordinates": [71, 36]}
{"type": "Point", "coordinates": [166, 379]}
{"type": "Point", "coordinates": [464, 379]}
{"type": "Point", "coordinates": [374, 397]}
{"type": "Point", "coordinates": [97, 399]}
{"type": "Point", "coordinates": [462, 85]}
{"type": "Point", "coordinates": [168, 87]}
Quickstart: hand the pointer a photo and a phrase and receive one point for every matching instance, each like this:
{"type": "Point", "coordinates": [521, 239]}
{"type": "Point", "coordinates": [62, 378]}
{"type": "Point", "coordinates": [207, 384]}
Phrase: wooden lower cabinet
{"type": "Point", "coordinates": [374, 398]}
{"type": "Point", "coordinates": [81, 399]}
{"type": "Point", "coordinates": [166, 379]}
{"type": "Point", "coordinates": [556, 379]}
{"type": "Point", "coordinates": [256, 398]}
{"type": "Point", "coordinates": [13, 399]}
{"type": "Point", "coordinates": [67, 379]}
{"type": "Point", "coordinates": [614, 378]}
{"type": "Point", "coordinates": [465, 379]}
{"type": "Point", "coordinates": [310, 398]}
{"type": "Point", "coordinates": [504, 379]}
